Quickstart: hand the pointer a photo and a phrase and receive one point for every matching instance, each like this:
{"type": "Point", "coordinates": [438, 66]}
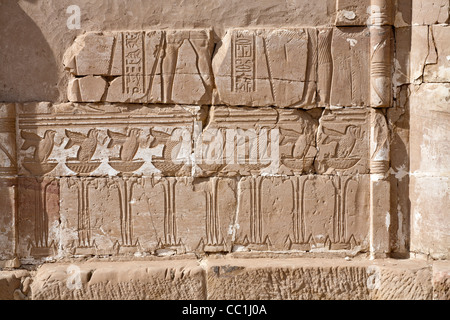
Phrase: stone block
{"type": "Point", "coordinates": [163, 280]}
{"type": "Point", "coordinates": [437, 68]}
{"type": "Point", "coordinates": [441, 280]}
{"type": "Point", "coordinates": [350, 74]}
{"type": "Point", "coordinates": [430, 181]}
{"type": "Point", "coordinates": [306, 213]}
{"type": "Point", "coordinates": [105, 140]}
{"type": "Point", "coordinates": [425, 12]}
{"type": "Point", "coordinates": [8, 216]}
{"type": "Point", "coordinates": [14, 285]}
{"type": "Point", "coordinates": [8, 161]}
{"type": "Point", "coordinates": [123, 216]}
{"type": "Point", "coordinates": [267, 67]}
{"type": "Point", "coordinates": [343, 141]}
{"type": "Point", "coordinates": [317, 279]}
{"type": "Point", "coordinates": [149, 66]}
{"type": "Point", "coordinates": [430, 55]}
{"type": "Point", "coordinates": [248, 141]}
{"type": "Point", "coordinates": [88, 89]}
{"type": "Point", "coordinates": [352, 12]}
{"type": "Point", "coordinates": [38, 221]}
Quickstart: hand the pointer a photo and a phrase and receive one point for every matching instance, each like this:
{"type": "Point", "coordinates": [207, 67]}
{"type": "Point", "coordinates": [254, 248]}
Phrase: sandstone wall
{"type": "Point", "coordinates": [303, 128]}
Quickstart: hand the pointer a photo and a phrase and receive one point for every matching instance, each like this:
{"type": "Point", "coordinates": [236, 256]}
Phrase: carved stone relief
{"type": "Point", "coordinates": [175, 141]}
{"type": "Point", "coordinates": [152, 66]}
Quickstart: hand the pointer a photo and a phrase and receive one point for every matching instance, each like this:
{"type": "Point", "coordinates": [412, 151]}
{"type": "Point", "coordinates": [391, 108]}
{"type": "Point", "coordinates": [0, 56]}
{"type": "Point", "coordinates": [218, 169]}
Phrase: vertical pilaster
{"type": "Point", "coordinates": [8, 182]}
{"type": "Point", "coordinates": [380, 217]}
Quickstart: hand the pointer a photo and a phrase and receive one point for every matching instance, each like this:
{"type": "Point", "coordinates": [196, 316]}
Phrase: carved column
{"type": "Point", "coordinates": [8, 181]}
{"type": "Point", "coordinates": [379, 21]}
{"type": "Point", "coordinates": [380, 53]}
{"type": "Point", "coordinates": [380, 217]}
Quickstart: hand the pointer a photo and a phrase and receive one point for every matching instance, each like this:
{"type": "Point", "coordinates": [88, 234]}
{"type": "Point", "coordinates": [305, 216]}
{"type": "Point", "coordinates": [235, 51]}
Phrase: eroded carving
{"type": "Point", "coordinates": [43, 147]}
{"type": "Point", "coordinates": [8, 161]}
{"type": "Point", "coordinates": [343, 141]}
{"type": "Point", "coordinates": [263, 67]}
{"type": "Point", "coordinates": [38, 217]}
{"type": "Point", "coordinates": [107, 140]}
{"type": "Point", "coordinates": [249, 141]}
{"type": "Point", "coordinates": [303, 213]}
{"type": "Point", "coordinates": [172, 66]}
{"type": "Point", "coordinates": [87, 144]}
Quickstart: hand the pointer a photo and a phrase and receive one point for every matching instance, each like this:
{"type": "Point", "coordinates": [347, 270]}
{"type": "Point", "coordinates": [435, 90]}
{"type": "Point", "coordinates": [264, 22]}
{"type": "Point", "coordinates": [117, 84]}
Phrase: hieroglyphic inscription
{"type": "Point", "coordinates": [243, 60]}
{"type": "Point", "coordinates": [133, 61]}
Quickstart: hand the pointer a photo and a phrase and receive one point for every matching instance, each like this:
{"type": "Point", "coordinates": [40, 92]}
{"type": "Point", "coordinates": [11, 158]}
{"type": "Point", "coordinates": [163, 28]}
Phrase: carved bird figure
{"type": "Point", "coordinates": [297, 142]}
{"type": "Point", "coordinates": [304, 141]}
{"type": "Point", "coordinates": [43, 146]}
{"type": "Point", "coordinates": [129, 143]}
{"type": "Point", "coordinates": [347, 141]}
{"type": "Point", "coordinates": [164, 139]}
{"type": "Point", "coordinates": [87, 143]}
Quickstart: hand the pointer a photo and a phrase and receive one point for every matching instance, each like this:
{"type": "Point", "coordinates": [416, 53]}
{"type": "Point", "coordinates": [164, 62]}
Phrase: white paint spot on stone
{"type": "Point", "coordinates": [388, 220]}
{"type": "Point", "coordinates": [399, 172]}
{"type": "Point", "coordinates": [238, 248]}
{"type": "Point", "coordinates": [448, 58]}
{"type": "Point", "coordinates": [376, 177]}
{"type": "Point", "coordinates": [349, 15]}
{"type": "Point", "coordinates": [352, 42]}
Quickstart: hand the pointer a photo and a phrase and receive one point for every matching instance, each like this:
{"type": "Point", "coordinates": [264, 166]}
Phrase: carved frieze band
{"type": "Point", "coordinates": [291, 67]}
{"type": "Point", "coordinates": [126, 215]}
{"type": "Point", "coordinates": [113, 140]}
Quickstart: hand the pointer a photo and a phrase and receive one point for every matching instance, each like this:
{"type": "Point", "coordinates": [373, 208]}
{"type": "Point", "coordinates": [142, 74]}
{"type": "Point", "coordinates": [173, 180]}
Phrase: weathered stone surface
{"type": "Point", "coordinates": [402, 66]}
{"type": "Point", "coordinates": [352, 12]}
{"type": "Point", "coordinates": [38, 219]}
{"type": "Point", "coordinates": [105, 140]}
{"type": "Point", "coordinates": [343, 141]}
{"type": "Point", "coordinates": [255, 67]}
{"type": "Point", "coordinates": [248, 141]}
{"type": "Point", "coordinates": [350, 80]}
{"type": "Point", "coordinates": [162, 216]}
{"type": "Point", "coordinates": [318, 279]}
{"type": "Point", "coordinates": [269, 129]}
{"type": "Point", "coordinates": [88, 89]}
{"type": "Point", "coordinates": [438, 66]}
{"type": "Point", "coordinates": [164, 280]}
{"type": "Point", "coordinates": [264, 67]}
{"type": "Point", "coordinates": [13, 285]}
{"type": "Point", "coordinates": [398, 121]}
{"type": "Point", "coordinates": [44, 35]}
{"type": "Point", "coordinates": [172, 66]}
{"type": "Point", "coordinates": [430, 181]}
{"type": "Point", "coordinates": [366, 12]}
{"type": "Point", "coordinates": [307, 213]}
{"type": "Point", "coordinates": [400, 280]}
{"type": "Point", "coordinates": [8, 157]}
{"type": "Point", "coordinates": [425, 12]}
{"type": "Point", "coordinates": [122, 216]}
{"type": "Point", "coordinates": [8, 212]}
{"type": "Point", "coordinates": [441, 280]}
{"type": "Point", "coordinates": [430, 55]}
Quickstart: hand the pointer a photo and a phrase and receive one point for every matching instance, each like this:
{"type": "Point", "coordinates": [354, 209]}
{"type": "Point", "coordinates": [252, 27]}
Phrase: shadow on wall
{"type": "Point", "coordinates": [399, 117]}
{"type": "Point", "coordinates": [27, 64]}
